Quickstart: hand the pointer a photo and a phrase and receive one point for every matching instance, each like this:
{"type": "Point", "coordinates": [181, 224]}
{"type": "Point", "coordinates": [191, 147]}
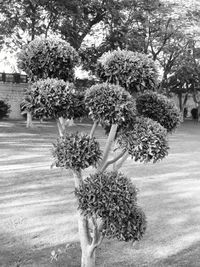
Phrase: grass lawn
{"type": "Point", "coordinates": [38, 211]}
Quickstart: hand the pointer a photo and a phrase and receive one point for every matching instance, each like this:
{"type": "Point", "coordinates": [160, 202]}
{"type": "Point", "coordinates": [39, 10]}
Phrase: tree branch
{"type": "Point", "coordinates": [109, 142]}
{"type": "Point", "coordinates": [112, 161]}
{"type": "Point", "coordinates": [124, 158]}
{"type": "Point", "coordinates": [60, 128]}
{"type": "Point", "coordinates": [95, 124]}
{"type": "Point", "coordinates": [77, 178]}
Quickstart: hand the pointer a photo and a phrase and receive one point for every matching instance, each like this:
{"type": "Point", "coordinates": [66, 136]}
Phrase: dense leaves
{"type": "Point", "coordinates": [146, 141]}
{"type": "Point", "coordinates": [109, 104]}
{"type": "Point", "coordinates": [159, 108]}
{"type": "Point", "coordinates": [4, 109]}
{"type": "Point", "coordinates": [134, 71]}
{"type": "Point", "coordinates": [48, 58]}
{"type": "Point", "coordinates": [112, 197]}
{"type": "Point", "coordinates": [76, 151]}
{"type": "Point", "coordinates": [53, 98]}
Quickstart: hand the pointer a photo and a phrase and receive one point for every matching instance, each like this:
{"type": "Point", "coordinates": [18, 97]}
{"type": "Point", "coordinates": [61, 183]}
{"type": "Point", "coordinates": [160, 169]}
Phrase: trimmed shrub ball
{"type": "Point", "coordinates": [134, 71]}
{"type": "Point", "coordinates": [54, 98]}
{"type": "Point", "coordinates": [159, 108]}
{"type": "Point", "coordinates": [146, 141]}
{"type": "Point", "coordinates": [76, 151]}
{"type": "Point", "coordinates": [48, 58]}
{"type": "Point", "coordinates": [109, 104]}
{"type": "Point", "coordinates": [112, 197]}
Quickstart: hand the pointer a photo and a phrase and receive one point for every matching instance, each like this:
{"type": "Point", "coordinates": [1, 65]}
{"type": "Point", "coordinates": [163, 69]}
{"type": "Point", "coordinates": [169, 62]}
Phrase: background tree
{"type": "Point", "coordinates": [22, 21]}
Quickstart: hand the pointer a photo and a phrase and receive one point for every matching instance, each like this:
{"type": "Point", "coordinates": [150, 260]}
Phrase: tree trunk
{"type": "Point", "coordinates": [88, 259]}
{"type": "Point", "coordinates": [29, 122]}
{"type": "Point", "coordinates": [88, 251]}
{"type": "Point", "coordinates": [198, 111]}
{"type": "Point", "coordinates": [60, 128]}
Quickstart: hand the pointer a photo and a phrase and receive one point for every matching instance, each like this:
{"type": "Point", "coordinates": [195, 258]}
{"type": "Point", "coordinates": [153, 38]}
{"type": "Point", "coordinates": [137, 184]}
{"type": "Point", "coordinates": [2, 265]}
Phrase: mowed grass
{"type": "Point", "coordinates": [38, 208]}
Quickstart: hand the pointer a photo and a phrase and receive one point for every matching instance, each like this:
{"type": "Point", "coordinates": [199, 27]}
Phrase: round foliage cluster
{"type": "Point", "coordinates": [130, 118]}
{"type": "Point", "coordinates": [159, 108]}
{"type": "Point", "coordinates": [146, 141]}
{"type": "Point", "coordinates": [4, 109]}
{"type": "Point", "coordinates": [134, 71]}
{"type": "Point", "coordinates": [76, 151]}
{"type": "Point", "coordinates": [48, 57]}
{"type": "Point", "coordinates": [53, 98]}
{"type": "Point", "coordinates": [112, 197]}
{"type": "Point", "coordinates": [109, 104]}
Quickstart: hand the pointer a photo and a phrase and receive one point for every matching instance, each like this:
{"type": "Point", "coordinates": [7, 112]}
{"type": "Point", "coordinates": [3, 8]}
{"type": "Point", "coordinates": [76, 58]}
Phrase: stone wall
{"type": "Point", "coordinates": [13, 94]}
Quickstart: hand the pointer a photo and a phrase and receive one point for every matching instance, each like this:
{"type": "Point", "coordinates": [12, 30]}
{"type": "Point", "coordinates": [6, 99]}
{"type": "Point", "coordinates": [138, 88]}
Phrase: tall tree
{"type": "Point", "coordinates": [21, 21]}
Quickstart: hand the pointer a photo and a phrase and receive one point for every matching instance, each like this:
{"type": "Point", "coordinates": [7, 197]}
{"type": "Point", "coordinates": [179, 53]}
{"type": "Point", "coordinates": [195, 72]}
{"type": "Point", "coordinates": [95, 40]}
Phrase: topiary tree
{"type": "Point", "coordinates": [134, 71]}
{"type": "Point", "coordinates": [46, 58]}
{"type": "Point", "coordinates": [107, 200]}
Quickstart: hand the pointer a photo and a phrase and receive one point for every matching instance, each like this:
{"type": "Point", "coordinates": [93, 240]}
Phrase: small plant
{"type": "Point", "coordinates": [134, 71]}
{"type": "Point", "coordinates": [194, 113]}
{"type": "Point", "coordinates": [4, 109]}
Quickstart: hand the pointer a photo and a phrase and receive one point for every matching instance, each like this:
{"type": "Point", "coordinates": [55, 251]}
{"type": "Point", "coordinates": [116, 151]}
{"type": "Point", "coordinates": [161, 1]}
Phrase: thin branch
{"type": "Point", "coordinates": [124, 158]}
{"type": "Point", "coordinates": [109, 142]}
{"type": "Point", "coordinates": [95, 124]}
{"type": "Point", "coordinates": [60, 128]}
{"type": "Point", "coordinates": [77, 178]}
{"type": "Point", "coordinates": [112, 161]}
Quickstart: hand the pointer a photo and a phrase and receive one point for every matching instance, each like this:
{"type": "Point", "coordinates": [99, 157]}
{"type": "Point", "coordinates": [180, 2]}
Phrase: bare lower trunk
{"type": "Point", "coordinates": [87, 259]}
{"type": "Point", "coordinates": [88, 247]}
{"type": "Point", "coordinates": [29, 122]}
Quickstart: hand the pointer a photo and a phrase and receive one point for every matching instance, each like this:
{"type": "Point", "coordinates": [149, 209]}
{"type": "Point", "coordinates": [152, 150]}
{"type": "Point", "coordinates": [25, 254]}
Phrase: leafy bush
{"type": "Point", "coordinates": [76, 151]}
{"type": "Point", "coordinates": [112, 197]}
{"type": "Point", "coordinates": [159, 108]}
{"type": "Point", "coordinates": [146, 141]}
{"type": "Point", "coordinates": [194, 113]}
{"type": "Point", "coordinates": [109, 104]}
{"type": "Point", "coordinates": [54, 98]}
{"type": "Point", "coordinates": [48, 58]}
{"type": "Point", "coordinates": [4, 109]}
{"type": "Point", "coordinates": [134, 71]}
